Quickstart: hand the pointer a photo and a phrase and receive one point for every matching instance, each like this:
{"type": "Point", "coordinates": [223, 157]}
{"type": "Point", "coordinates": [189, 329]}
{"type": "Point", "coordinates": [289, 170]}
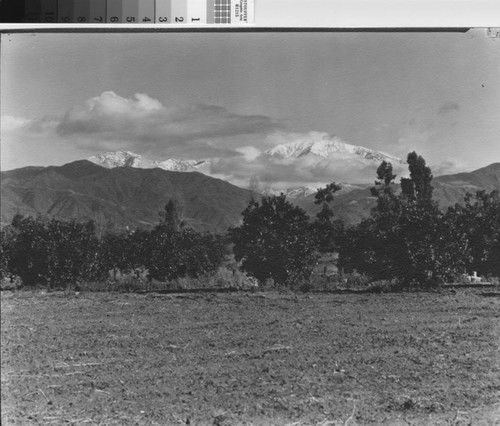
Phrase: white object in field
{"type": "Point", "coordinates": [474, 278]}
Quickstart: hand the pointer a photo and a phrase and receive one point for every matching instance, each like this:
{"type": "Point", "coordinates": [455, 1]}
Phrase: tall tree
{"type": "Point", "coordinates": [418, 186]}
{"type": "Point", "coordinates": [325, 228]}
{"type": "Point", "coordinates": [171, 216]}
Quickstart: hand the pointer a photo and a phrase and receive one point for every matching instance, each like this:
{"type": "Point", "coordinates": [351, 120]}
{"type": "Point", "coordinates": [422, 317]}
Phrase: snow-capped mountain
{"type": "Point", "coordinates": [325, 147]}
{"type": "Point", "coordinates": [111, 160]}
{"type": "Point", "coordinates": [180, 165]}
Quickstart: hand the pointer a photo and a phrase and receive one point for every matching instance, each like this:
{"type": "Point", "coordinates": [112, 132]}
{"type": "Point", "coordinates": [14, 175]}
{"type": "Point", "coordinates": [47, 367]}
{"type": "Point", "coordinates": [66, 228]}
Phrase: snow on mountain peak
{"type": "Point", "coordinates": [324, 147]}
{"type": "Point", "coordinates": [111, 160]}
{"type": "Point", "coordinates": [179, 165]}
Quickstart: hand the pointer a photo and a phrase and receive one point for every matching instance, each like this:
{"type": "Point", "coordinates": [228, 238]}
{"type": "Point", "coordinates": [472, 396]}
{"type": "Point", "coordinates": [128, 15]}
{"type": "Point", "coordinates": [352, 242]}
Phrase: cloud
{"type": "Point", "coordinates": [11, 124]}
{"type": "Point", "coordinates": [249, 152]}
{"type": "Point", "coordinates": [448, 107]}
{"type": "Point", "coordinates": [35, 127]}
{"type": "Point", "coordinates": [143, 123]}
{"type": "Point", "coordinates": [307, 170]}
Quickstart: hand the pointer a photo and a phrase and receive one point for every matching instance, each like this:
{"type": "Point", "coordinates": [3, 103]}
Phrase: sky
{"type": "Point", "coordinates": [227, 97]}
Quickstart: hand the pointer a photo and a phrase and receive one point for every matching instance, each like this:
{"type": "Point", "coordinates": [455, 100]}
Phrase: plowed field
{"type": "Point", "coordinates": [251, 358]}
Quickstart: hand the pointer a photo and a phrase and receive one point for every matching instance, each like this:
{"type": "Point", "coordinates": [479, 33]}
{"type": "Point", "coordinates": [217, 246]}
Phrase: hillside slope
{"type": "Point", "coordinates": [124, 196]}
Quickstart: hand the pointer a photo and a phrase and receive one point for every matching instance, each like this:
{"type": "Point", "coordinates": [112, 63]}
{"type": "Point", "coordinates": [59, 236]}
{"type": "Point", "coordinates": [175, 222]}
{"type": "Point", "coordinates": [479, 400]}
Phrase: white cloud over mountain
{"type": "Point", "coordinates": [304, 159]}
{"type": "Point", "coordinates": [234, 147]}
{"type": "Point", "coordinates": [142, 123]}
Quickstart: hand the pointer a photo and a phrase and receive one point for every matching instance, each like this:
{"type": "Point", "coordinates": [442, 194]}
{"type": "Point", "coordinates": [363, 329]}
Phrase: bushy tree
{"type": "Point", "coordinates": [8, 236]}
{"type": "Point", "coordinates": [183, 253]}
{"type": "Point", "coordinates": [478, 222]}
{"type": "Point", "coordinates": [73, 252]}
{"type": "Point", "coordinates": [407, 237]}
{"type": "Point", "coordinates": [275, 241]}
{"type": "Point", "coordinates": [28, 254]}
{"type": "Point", "coordinates": [53, 253]}
{"type": "Point", "coordinates": [171, 250]}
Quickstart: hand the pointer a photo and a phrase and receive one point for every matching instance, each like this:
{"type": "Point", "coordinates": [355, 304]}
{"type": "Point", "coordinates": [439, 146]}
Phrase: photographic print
{"type": "Point", "coordinates": [250, 227]}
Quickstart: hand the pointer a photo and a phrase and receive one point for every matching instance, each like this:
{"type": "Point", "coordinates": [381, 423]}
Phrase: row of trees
{"type": "Point", "coordinates": [407, 237]}
{"type": "Point", "coordinates": [57, 253]}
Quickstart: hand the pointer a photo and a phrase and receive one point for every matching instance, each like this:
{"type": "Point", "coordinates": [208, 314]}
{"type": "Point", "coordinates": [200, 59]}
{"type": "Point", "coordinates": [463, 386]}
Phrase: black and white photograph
{"type": "Point", "coordinates": [250, 227]}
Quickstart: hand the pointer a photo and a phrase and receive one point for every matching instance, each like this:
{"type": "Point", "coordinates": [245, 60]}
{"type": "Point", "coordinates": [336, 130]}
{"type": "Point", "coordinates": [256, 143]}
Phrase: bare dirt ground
{"type": "Point", "coordinates": [251, 358]}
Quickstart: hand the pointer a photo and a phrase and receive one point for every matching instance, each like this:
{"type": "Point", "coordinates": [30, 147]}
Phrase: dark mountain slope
{"type": "Point", "coordinates": [124, 196]}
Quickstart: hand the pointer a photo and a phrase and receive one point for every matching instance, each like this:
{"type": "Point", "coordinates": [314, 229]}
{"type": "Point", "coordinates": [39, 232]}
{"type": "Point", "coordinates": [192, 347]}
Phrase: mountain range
{"type": "Point", "coordinates": [132, 196]}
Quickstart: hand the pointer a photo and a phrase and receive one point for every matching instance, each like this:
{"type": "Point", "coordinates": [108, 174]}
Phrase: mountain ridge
{"type": "Point", "coordinates": [126, 196]}
{"type": "Point", "coordinates": [133, 197]}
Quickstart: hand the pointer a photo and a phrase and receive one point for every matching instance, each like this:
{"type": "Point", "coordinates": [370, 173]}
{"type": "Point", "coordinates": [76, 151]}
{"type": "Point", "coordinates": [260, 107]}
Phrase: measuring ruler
{"type": "Point", "coordinates": [129, 12]}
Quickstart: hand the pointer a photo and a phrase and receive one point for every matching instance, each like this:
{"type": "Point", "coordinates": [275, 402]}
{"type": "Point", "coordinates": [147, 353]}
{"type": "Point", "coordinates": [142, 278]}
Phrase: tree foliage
{"type": "Point", "coordinates": [325, 228]}
{"type": "Point", "coordinates": [407, 237]}
{"type": "Point", "coordinates": [173, 254]}
{"type": "Point", "coordinates": [59, 253]}
{"type": "Point", "coordinates": [275, 241]}
{"type": "Point", "coordinates": [478, 222]}
{"type": "Point", "coordinates": [52, 253]}
{"type": "Point", "coordinates": [171, 250]}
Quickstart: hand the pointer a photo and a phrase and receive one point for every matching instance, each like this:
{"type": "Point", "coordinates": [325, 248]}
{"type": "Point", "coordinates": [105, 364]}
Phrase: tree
{"type": "Point", "coordinates": [432, 253]}
{"type": "Point", "coordinates": [407, 237]}
{"type": "Point", "coordinates": [73, 253]}
{"type": "Point", "coordinates": [325, 229]}
{"type": "Point", "coordinates": [28, 255]}
{"type": "Point", "coordinates": [171, 216]}
{"type": "Point", "coordinates": [114, 252]}
{"type": "Point", "coordinates": [7, 238]}
{"type": "Point", "coordinates": [357, 252]}
{"type": "Point", "coordinates": [171, 250]}
{"type": "Point", "coordinates": [53, 253]}
{"type": "Point", "coordinates": [479, 223]}
{"type": "Point", "coordinates": [274, 241]}
{"type": "Point", "coordinates": [417, 188]}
